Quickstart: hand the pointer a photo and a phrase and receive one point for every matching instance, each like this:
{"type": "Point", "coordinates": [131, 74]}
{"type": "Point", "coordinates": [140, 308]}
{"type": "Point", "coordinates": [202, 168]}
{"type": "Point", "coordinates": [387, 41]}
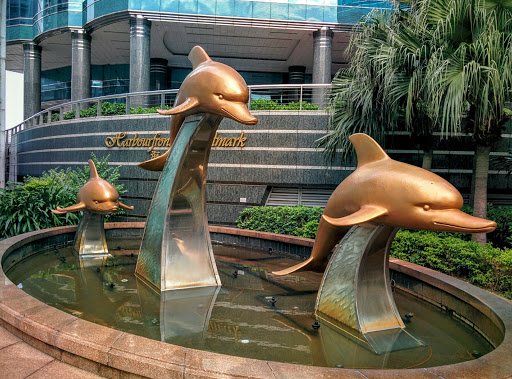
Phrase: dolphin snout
{"type": "Point", "coordinates": [239, 112]}
{"type": "Point", "coordinates": [454, 220]}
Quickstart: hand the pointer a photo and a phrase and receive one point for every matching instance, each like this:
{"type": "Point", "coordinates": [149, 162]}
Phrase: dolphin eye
{"type": "Point", "coordinates": [220, 96]}
{"type": "Point", "coordinates": [426, 207]}
{"type": "Point", "coordinates": [95, 201]}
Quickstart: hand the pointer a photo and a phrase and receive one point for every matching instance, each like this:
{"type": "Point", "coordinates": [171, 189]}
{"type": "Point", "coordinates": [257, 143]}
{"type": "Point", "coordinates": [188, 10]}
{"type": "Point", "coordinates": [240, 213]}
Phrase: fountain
{"type": "Point", "coordinates": [163, 280]}
{"type": "Point", "coordinates": [96, 198]}
{"type": "Point", "coordinates": [356, 289]}
{"type": "Point", "coordinates": [176, 251]}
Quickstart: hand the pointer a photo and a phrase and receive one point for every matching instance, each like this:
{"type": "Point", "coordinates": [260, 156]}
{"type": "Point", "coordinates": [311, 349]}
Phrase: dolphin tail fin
{"type": "Point", "coordinates": [308, 265]}
{"type": "Point", "coordinates": [155, 164]}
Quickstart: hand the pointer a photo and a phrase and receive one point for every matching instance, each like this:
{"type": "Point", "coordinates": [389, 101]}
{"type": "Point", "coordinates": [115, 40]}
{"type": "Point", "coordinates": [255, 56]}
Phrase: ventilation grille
{"type": "Point", "coordinates": [309, 197]}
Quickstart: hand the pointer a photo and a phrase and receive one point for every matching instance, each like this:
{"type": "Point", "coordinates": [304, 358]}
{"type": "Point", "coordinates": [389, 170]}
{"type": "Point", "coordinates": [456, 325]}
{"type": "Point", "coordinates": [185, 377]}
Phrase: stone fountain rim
{"type": "Point", "coordinates": [110, 352]}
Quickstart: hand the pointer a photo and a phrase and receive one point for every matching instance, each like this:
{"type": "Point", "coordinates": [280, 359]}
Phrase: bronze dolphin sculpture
{"type": "Point", "coordinates": [96, 196]}
{"type": "Point", "coordinates": [211, 87]}
{"type": "Point", "coordinates": [391, 193]}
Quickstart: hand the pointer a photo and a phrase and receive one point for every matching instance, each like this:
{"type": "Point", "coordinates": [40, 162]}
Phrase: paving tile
{"type": "Point", "coordinates": [58, 370]}
{"type": "Point", "coordinates": [20, 360]}
{"type": "Point", "coordinates": [7, 338]}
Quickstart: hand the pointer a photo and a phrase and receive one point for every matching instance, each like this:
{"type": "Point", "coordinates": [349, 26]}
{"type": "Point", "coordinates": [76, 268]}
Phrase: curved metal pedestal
{"type": "Point", "coordinates": [355, 294]}
{"type": "Point", "coordinates": [90, 235]}
{"type": "Point", "coordinates": [176, 250]}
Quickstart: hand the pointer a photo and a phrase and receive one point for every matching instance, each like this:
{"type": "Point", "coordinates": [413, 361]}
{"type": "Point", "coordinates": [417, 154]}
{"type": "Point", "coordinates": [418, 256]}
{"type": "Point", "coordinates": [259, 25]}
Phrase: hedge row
{"type": "Point", "coordinates": [112, 109]}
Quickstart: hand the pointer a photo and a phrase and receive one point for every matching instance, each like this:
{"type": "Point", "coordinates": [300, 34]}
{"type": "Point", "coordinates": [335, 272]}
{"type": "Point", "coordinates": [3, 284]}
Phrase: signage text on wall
{"type": "Point", "coordinates": [121, 140]}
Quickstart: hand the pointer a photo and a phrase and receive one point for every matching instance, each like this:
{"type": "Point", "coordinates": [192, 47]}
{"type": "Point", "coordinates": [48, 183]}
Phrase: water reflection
{"type": "Point", "coordinates": [238, 319]}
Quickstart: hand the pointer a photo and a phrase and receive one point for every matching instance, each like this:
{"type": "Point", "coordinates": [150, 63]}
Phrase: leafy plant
{"type": "Point", "coordinates": [483, 265]}
{"type": "Point", "coordinates": [298, 221]}
{"type": "Point", "coordinates": [26, 206]}
{"type": "Point", "coordinates": [266, 104]}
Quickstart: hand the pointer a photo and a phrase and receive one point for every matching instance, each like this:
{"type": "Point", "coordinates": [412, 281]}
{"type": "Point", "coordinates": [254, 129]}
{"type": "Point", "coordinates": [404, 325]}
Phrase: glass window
{"type": "Point", "coordinates": [279, 11]}
{"type": "Point", "coordinates": [225, 8]}
{"type": "Point", "coordinates": [169, 6]}
{"type": "Point", "coordinates": [243, 9]}
{"type": "Point", "coordinates": [206, 7]}
{"type": "Point", "coordinates": [297, 12]}
{"type": "Point", "coordinates": [14, 9]}
{"type": "Point", "coordinates": [314, 13]}
{"type": "Point", "coordinates": [188, 6]}
{"type": "Point", "coordinates": [261, 10]}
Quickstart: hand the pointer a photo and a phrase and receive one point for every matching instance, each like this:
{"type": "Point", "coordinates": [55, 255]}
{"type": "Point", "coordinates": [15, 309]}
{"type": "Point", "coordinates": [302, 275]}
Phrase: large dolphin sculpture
{"type": "Point", "coordinates": [96, 196]}
{"type": "Point", "coordinates": [392, 193]}
{"type": "Point", "coordinates": [211, 87]}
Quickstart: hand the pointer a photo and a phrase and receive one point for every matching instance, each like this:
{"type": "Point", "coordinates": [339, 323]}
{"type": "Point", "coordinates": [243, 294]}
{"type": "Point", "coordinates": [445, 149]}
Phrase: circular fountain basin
{"type": "Point", "coordinates": [459, 322]}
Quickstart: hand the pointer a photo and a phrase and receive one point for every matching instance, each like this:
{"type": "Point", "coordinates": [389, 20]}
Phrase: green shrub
{"type": "Point", "coordinates": [296, 221]}
{"type": "Point", "coordinates": [118, 109]}
{"type": "Point", "coordinates": [485, 266]}
{"type": "Point", "coordinates": [266, 104]}
{"type": "Point", "coordinates": [26, 206]}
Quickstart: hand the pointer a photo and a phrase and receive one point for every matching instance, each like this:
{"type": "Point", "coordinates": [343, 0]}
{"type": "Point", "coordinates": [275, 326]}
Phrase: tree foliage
{"type": "Point", "coordinates": [430, 65]}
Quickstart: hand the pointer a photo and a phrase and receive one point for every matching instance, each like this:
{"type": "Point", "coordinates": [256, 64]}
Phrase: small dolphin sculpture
{"type": "Point", "coordinates": [391, 193]}
{"type": "Point", "coordinates": [96, 196]}
{"type": "Point", "coordinates": [211, 87]}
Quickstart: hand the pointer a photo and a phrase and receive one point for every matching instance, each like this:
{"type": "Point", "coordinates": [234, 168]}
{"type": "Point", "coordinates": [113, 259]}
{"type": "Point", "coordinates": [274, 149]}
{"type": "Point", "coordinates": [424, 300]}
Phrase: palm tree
{"type": "Point", "coordinates": [384, 87]}
{"type": "Point", "coordinates": [439, 64]}
{"type": "Point", "coordinates": [470, 76]}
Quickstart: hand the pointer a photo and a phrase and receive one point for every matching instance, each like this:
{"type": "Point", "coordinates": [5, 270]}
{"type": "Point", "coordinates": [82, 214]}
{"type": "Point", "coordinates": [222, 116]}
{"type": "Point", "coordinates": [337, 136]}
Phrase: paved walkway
{"type": "Point", "coordinates": [20, 360]}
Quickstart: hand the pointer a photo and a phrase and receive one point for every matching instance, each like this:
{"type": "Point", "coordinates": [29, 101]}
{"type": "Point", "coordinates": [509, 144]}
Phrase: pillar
{"type": "Point", "coordinates": [80, 65]}
{"type": "Point", "coordinates": [140, 58]}
{"type": "Point", "coordinates": [158, 78]}
{"type": "Point", "coordinates": [296, 76]}
{"type": "Point", "coordinates": [31, 79]}
{"type": "Point", "coordinates": [322, 60]}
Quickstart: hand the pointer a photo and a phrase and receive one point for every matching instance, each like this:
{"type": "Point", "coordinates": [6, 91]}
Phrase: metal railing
{"type": "Point", "coordinates": [300, 96]}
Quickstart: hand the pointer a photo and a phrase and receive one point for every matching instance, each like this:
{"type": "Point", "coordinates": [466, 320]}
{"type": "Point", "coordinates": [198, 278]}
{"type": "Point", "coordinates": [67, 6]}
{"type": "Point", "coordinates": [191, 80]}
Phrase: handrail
{"type": "Point", "coordinates": [129, 99]}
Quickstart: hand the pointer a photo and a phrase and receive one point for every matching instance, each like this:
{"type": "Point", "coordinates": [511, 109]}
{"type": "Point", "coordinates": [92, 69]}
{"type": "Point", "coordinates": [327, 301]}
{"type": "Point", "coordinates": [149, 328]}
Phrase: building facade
{"type": "Point", "coordinates": [72, 50]}
{"type": "Point", "coordinates": [77, 50]}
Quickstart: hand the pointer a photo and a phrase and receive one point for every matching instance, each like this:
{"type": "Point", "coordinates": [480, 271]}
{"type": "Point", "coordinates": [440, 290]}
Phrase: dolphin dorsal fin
{"type": "Point", "coordinates": [94, 172]}
{"type": "Point", "coordinates": [197, 56]}
{"type": "Point", "coordinates": [367, 149]}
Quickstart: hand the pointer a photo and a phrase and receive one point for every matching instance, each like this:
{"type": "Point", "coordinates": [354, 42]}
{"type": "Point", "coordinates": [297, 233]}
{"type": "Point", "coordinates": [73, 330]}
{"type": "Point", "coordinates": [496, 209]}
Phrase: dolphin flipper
{"type": "Point", "coordinates": [308, 265]}
{"type": "Point", "coordinates": [71, 208]}
{"type": "Point", "coordinates": [127, 207]}
{"type": "Point", "coordinates": [364, 214]}
{"type": "Point", "coordinates": [156, 164]}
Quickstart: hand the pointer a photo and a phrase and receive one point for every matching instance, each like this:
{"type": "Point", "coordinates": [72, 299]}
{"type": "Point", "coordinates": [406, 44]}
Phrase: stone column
{"type": "Point", "coordinates": [322, 60]}
{"type": "Point", "coordinates": [31, 79]}
{"type": "Point", "coordinates": [295, 76]}
{"type": "Point", "coordinates": [140, 39]}
{"type": "Point", "coordinates": [80, 65]}
{"type": "Point", "coordinates": [158, 78]}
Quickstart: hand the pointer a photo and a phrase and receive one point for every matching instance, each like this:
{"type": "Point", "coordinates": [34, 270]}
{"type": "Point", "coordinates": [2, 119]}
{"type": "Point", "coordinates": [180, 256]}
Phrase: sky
{"type": "Point", "coordinates": [14, 99]}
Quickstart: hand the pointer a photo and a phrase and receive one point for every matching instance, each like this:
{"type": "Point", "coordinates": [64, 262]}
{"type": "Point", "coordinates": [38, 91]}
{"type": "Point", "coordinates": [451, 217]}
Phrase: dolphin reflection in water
{"type": "Point", "coordinates": [392, 193]}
